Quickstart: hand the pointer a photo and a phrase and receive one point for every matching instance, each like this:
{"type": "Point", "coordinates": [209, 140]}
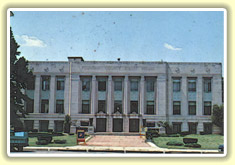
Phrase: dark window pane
{"type": "Point", "coordinates": [150, 124]}
{"type": "Point", "coordinates": [207, 108]}
{"type": "Point", "coordinates": [150, 108]}
{"type": "Point", "coordinates": [59, 126]}
{"type": "Point", "coordinates": [118, 85]}
{"type": "Point", "coordinates": [134, 106]}
{"type": "Point", "coordinates": [150, 85]}
{"type": "Point", "coordinates": [30, 106]}
{"type": "Point", "coordinates": [60, 83]}
{"type": "Point", "coordinates": [31, 84]}
{"type": "Point", "coordinates": [44, 106]}
{"type": "Point", "coordinates": [117, 106]}
{"type": "Point", "coordinates": [176, 107]}
{"type": "Point", "coordinates": [134, 85]}
{"type": "Point", "coordinates": [86, 85]}
{"type": "Point", "coordinates": [207, 128]}
{"type": "Point", "coordinates": [43, 125]}
{"type": "Point", "coordinates": [207, 85]}
{"type": "Point", "coordinates": [85, 106]}
{"type": "Point", "coordinates": [192, 85]}
{"type": "Point", "coordinates": [45, 83]}
{"type": "Point", "coordinates": [101, 85]}
{"type": "Point", "coordinates": [192, 128]}
{"type": "Point", "coordinates": [84, 123]}
{"type": "Point", "coordinates": [59, 106]}
{"type": "Point", "coordinates": [192, 107]}
{"type": "Point", "coordinates": [176, 127]}
{"type": "Point", "coordinates": [176, 85]}
{"type": "Point", "coordinates": [28, 124]}
{"type": "Point", "coordinates": [101, 106]}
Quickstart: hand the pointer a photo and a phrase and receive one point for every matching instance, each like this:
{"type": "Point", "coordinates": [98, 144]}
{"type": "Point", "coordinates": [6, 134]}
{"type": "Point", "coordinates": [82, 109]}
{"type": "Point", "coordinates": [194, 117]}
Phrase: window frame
{"type": "Point", "coordinates": [207, 84]}
{"type": "Point", "coordinates": [102, 87]}
{"type": "Point", "coordinates": [192, 109]}
{"type": "Point", "coordinates": [46, 83]}
{"type": "Point", "coordinates": [134, 85]}
{"type": "Point", "coordinates": [43, 104]}
{"type": "Point", "coordinates": [207, 108]}
{"type": "Point", "coordinates": [84, 111]}
{"type": "Point", "coordinates": [116, 87]}
{"type": "Point", "coordinates": [118, 103]}
{"type": "Point", "coordinates": [176, 108]}
{"type": "Point", "coordinates": [192, 84]}
{"type": "Point", "coordinates": [176, 84]}
{"type": "Point", "coordinates": [152, 108]}
{"type": "Point", "coordinates": [60, 83]}
{"type": "Point", "coordinates": [58, 106]}
{"type": "Point", "coordinates": [100, 102]}
{"type": "Point", "coordinates": [136, 109]}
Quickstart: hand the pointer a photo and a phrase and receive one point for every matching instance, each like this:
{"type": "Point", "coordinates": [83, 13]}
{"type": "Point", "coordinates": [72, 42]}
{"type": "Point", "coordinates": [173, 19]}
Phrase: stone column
{"type": "Point", "coordinates": [79, 94]}
{"type": "Point", "coordinates": [162, 95]}
{"type": "Point", "coordinates": [126, 95]}
{"type": "Point", "coordinates": [217, 90]}
{"type": "Point", "coordinates": [93, 95]}
{"type": "Point", "coordinates": [142, 95]}
{"type": "Point", "coordinates": [126, 124]}
{"type": "Point", "coordinates": [184, 97]}
{"type": "Point", "coordinates": [170, 96]}
{"type": "Point", "coordinates": [74, 93]}
{"type": "Point", "coordinates": [66, 95]}
{"type": "Point", "coordinates": [184, 126]}
{"type": "Point", "coordinates": [200, 127]}
{"type": "Point", "coordinates": [199, 96]}
{"type": "Point", "coordinates": [52, 94]}
{"type": "Point", "coordinates": [37, 92]}
{"type": "Point", "coordinates": [51, 124]}
{"type": "Point", "coordinates": [109, 105]}
{"type": "Point", "coordinates": [156, 97]}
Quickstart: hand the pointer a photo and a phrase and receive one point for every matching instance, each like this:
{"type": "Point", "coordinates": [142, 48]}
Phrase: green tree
{"type": "Point", "coordinates": [165, 125]}
{"type": "Point", "coordinates": [218, 116]}
{"type": "Point", "coordinates": [20, 76]}
{"type": "Point", "coordinates": [67, 123]}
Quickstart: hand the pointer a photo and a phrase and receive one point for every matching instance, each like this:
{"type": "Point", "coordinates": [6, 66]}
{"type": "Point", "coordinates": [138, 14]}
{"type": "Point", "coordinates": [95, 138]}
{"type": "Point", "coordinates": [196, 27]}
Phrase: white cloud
{"type": "Point", "coordinates": [32, 41]}
{"type": "Point", "coordinates": [168, 46]}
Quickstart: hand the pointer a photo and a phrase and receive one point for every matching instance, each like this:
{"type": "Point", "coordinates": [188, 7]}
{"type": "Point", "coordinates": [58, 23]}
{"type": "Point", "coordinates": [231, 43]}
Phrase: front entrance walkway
{"type": "Point", "coordinates": [117, 141]}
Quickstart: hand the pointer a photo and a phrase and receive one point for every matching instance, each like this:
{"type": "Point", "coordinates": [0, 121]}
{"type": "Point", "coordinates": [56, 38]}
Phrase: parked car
{"type": "Point", "coordinates": [221, 148]}
{"type": "Point", "coordinates": [18, 140]}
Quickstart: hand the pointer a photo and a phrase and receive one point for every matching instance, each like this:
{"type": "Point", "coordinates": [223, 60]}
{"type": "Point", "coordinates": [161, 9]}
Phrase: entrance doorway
{"type": "Point", "coordinates": [100, 125]}
{"type": "Point", "coordinates": [117, 125]}
{"type": "Point", "coordinates": [134, 125]}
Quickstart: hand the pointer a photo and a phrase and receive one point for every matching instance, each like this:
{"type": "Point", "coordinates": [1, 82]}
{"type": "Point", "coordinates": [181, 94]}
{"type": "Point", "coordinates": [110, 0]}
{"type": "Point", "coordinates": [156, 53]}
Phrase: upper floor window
{"type": "Point", "coordinates": [86, 106]}
{"type": "Point", "coordinates": [192, 84]}
{"type": "Point", "coordinates": [207, 108]}
{"type": "Point", "coordinates": [192, 107]}
{"type": "Point", "coordinates": [134, 106]}
{"type": "Point", "coordinates": [59, 106]}
{"type": "Point", "coordinates": [60, 83]}
{"type": "Point", "coordinates": [150, 85]}
{"type": "Point", "coordinates": [118, 85]}
{"type": "Point", "coordinates": [176, 108]}
{"type": "Point", "coordinates": [117, 106]}
{"type": "Point", "coordinates": [44, 106]}
{"type": "Point", "coordinates": [101, 106]}
{"type": "Point", "coordinates": [207, 85]}
{"type": "Point", "coordinates": [176, 84]}
{"type": "Point", "coordinates": [134, 85]}
{"type": "Point", "coordinates": [86, 85]}
{"type": "Point", "coordinates": [45, 83]}
{"type": "Point", "coordinates": [101, 85]}
{"type": "Point", "coordinates": [150, 108]}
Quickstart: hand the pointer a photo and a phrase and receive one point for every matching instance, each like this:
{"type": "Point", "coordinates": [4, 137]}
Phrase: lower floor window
{"type": "Point", "coordinates": [176, 108]}
{"type": "Point", "coordinates": [134, 107]}
{"type": "Point", "coordinates": [30, 106]}
{"type": "Point", "coordinates": [150, 108]}
{"type": "Point", "coordinates": [59, 126]}
{"type": "Point", "coordinates": [207, 108]}
{"type": "Point", "coordinates": [44, 106]}
{"type": "Point", "coordinates": [43, 125]}
{"type": "Point", "coordinates": [207, 128]}
{"type": "Point", "coordinates": [101, 106]}
{"type": "Point", "coordinates": [150, 124]}
{"type": "Point", "coordinates": [59, 106]}
{"type": "Point", "coordinates": [117, 106]}
{"type": "Point", "coordinates": [84, 123]}
{"type": "Point", "coordinates": [176, 127]}
{"type": "Point", "coordinates": [192, 128]}
{"type": "Point", "coordinates": [192, 107]}
{"type": "Point", "coordinates": [86, 106]}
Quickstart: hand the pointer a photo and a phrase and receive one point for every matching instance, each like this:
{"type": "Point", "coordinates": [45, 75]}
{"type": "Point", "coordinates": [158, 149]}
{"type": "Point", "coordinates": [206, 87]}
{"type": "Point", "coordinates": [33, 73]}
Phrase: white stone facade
{"type": "Point", "coordinates": [146, 86]}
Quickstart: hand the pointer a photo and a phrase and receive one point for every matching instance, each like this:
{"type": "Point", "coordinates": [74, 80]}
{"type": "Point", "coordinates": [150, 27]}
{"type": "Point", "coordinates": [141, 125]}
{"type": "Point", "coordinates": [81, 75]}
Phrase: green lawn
{"type": "Point", "coordinates": [206, 141]}
{"type": "Point", "coordinates": [70, 141]}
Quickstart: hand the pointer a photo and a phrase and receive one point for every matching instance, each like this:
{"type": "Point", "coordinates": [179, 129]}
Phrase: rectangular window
{"type": "Point", "coordinates": [59, 106]}
{"type": "Point", "coordinates": [85, 106]}
{"type": "Point", "coordinates": [150, 108]}
{"type": "Point", "coordinates": [118, 85]}
{"type": "Point", "coordinates": [176, 127]}
{"type": "Point", "coordinates": [101, 106]}
{"type": "Point", "coordinates": [192, 107]}
{"type": "Point", "coordinates": [31, 84]}
{"type": "Point", "coordinates": [192, 84]}
{"type": "Point", "coordinates": [101, 85]}
{"type": "Point", "coordinates": [134, 107]}
{"type": "Point", "coordinates": [176, 107]}
{"type": "Point", "coordinates": [43, 125]}
{"type": "Point", "coordinates": [86, 85]}
{"type": "Point", "coordinates": [84, 123]}
{"type": "Point", "coordinates": [150, 124]}
{"type": "Point", "coordinates": [117, 106]}
{"type": "Point", "coordinates": [134, 85]}
{"type": "Point", "coordinates": [59, 126]}
{"type": "Point", "coordinates": [207, 108]}
{"type": "Point", "coordinates": [30, 106]}
{"type": "Point", "coordinates": [207, 85]}
{"type": "Point", "coordinates": [44, 106]}
{"type": "Point", "coordinates": [45, 83]}
{"type": "Point", "coordinates": [176, 84]}
{"type": "Point", "coordinates": [150, 85]}
{"type": "Point", "coordinates": [28, 124]}
{"type": "Point", "coordinates": [192, 128]}
{"type": "Point", "coordinates": [207, 128]}
{"type": "Point", "coordinates": [60, 83]}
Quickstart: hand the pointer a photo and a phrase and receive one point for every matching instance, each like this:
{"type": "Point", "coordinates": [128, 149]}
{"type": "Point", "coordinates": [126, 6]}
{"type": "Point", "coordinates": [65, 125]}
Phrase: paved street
{"type": "Point", "coordinates": [117, 141]}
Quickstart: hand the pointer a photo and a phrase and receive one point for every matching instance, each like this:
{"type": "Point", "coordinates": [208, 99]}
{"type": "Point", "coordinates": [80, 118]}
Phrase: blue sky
{"type": "Point", "coordinates": [175, 36]}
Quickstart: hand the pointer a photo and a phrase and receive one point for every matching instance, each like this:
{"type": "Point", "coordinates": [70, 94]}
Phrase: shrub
{"type": "Point", "coordinates": [42, 142]}
{"type": "Point", "coordinates": [184, 133]}
{"type": "Point", "coordinates": [163, 135]}
{"type": "Point", "coordinates": [174, 135]}
{"type": "Point", "coordinates": [60, 141]}
{"type": "Point", "coordinates": [190, 140]}
{"type": "Point", "coordinates": [45, 137]}
{"type": "Point", "coordinates": [193, 145]}
{"type": "Point", "coordinates": [71, 133]}
{"type": "Point", "coordinates": [34, 130]}
{"type": "Point", "coordinates": [202, 133]}
{"type": "Point", "coordinates": [174, 143]}
{"type": "Point", "coordinates": [50, 130]}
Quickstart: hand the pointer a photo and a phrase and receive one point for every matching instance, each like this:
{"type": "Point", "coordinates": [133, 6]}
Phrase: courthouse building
{"type": "Point", "coordinates": [123, 96]}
